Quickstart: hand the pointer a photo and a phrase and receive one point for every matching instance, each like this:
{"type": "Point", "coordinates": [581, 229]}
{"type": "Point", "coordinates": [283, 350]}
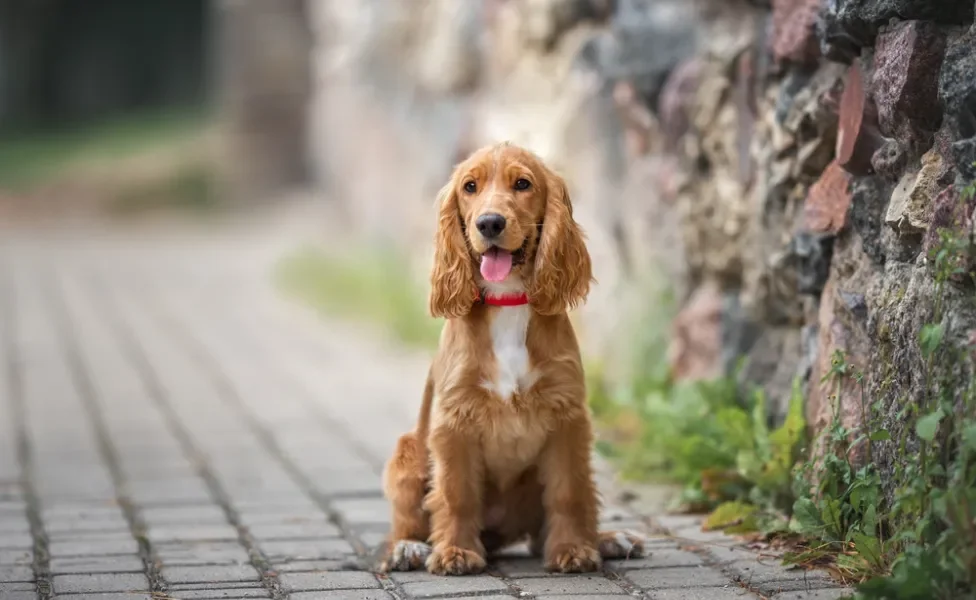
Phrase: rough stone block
{"type": "Point", "coordinates": [793, 38]}
{"type": "Point", "coordinates": [957, 91]}
{"type": "Point", "coordinates": [858, 136]}
{"type": "Point", "coordinates": [827, 202]}
{"type": "Point", "coordinates": [912, 201]}
{"type": "Point", "coordinates": [907, 61]}
{"type": "Point", "coordinates": [328, 581]}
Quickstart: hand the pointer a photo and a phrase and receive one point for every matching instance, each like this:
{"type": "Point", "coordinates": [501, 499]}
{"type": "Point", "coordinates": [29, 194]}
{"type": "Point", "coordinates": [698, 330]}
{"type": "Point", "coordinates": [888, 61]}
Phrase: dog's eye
{"type": "Point", "coordinates": [522, 184]}
{"type": "Point", "coordinates": [470, 187]}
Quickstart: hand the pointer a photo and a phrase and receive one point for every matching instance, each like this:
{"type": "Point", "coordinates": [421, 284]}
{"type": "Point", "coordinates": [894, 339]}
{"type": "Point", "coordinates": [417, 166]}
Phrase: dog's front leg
{"type": "Point", "coordinates": [570, 499]}
{"type": "Point", "coordinates": [455, 503]}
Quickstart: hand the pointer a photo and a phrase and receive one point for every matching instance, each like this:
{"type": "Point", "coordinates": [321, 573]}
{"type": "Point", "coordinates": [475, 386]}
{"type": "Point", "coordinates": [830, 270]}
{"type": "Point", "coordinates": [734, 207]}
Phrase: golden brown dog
{"type": "Point", "coordinates": [501, 451]}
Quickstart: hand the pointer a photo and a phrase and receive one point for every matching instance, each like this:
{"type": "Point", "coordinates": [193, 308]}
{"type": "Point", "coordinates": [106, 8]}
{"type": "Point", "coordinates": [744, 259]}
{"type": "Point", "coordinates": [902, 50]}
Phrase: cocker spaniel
{"type": "Point", "coordinates": [501, 450]}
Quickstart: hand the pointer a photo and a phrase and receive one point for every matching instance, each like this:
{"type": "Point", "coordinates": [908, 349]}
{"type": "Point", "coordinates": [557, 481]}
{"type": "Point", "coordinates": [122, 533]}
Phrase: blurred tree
{"type": "Point", "coordinates": [264, 55]}
{"type": "Point", "coordinates": [63, 61]}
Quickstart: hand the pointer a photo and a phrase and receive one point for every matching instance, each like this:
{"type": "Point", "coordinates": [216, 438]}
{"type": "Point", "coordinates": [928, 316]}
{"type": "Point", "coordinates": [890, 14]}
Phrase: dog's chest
{"type": "Point", "coordinates": [512, 444]}
{"type": "Point", "coordinates": [512, 371]}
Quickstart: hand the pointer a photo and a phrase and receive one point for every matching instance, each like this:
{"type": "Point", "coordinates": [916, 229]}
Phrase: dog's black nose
{"type": "Point", "coordinates": [490, 225]}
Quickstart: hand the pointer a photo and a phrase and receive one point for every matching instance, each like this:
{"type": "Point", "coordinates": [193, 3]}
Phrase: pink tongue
{"type": "Point", "coordinates": [496, 264]}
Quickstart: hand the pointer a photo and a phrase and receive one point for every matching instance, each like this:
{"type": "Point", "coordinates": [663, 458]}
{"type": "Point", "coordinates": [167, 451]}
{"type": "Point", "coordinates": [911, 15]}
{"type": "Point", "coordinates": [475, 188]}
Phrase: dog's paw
{"type": "Point", "coordinates": [573, 558]}
{"type": "Point", "coordinates": [451, 560]}
{"type": "Point", "coordinates": [620, 544]}
{"type": "Point", "coordinates": [406, 555]}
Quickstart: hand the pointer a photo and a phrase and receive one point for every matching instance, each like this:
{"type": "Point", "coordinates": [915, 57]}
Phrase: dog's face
{"type": "Point", "coordinates": [505, 224]}
{"type": "Point", "coordinates": [502, 201]}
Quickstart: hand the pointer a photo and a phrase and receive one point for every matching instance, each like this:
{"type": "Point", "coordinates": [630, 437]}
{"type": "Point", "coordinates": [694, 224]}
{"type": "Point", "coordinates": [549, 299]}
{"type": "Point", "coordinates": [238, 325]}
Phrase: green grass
{"type": "Point", "coordinates": [371, 285]}
{"type": "Point", "coordinates": [31, 158]}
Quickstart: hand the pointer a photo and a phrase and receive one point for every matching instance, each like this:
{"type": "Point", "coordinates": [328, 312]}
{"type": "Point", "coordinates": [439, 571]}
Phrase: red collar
{"type": "Point", "coordinates": [506, 300]}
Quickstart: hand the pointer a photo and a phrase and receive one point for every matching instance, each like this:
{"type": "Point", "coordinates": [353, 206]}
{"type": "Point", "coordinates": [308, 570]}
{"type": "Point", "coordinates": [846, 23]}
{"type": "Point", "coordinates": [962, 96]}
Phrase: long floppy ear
{"type": "Point", "coordinates": [452, 286]}
{"type": "Point", "coordinates": [562, 265]}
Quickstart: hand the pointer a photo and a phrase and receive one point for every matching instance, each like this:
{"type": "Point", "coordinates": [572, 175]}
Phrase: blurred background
{"type": "Point", "coordinates": [765, 185]}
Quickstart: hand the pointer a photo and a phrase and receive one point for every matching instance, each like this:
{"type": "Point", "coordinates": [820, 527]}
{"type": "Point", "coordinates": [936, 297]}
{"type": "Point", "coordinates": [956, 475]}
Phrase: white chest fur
{"type": "Point", "coordinates": [509, 326]}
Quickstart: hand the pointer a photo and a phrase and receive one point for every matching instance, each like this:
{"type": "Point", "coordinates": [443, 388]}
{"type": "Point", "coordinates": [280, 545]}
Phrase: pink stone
{"type": "Point", "coordinates": [908, 58]}
{"type": "Point", "coordinates": [827, 202]}
{"type": "Point", "coordinates": [793, 38]}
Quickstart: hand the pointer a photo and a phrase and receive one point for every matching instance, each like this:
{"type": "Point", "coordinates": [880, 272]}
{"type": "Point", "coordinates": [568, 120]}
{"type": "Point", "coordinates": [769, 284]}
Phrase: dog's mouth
{"type": "Point", "coordinates": [497, 263]}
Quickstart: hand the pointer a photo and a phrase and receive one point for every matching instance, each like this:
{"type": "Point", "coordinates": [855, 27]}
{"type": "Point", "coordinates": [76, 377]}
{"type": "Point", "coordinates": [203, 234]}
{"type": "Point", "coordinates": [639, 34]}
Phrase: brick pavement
{"type": "Point", "coordinates": [171, 428]}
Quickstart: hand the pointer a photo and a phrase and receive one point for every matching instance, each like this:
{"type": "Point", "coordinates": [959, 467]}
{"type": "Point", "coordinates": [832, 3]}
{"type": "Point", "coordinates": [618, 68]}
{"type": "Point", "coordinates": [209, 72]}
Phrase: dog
{"type": "Point", "coordinates": [501, 452]}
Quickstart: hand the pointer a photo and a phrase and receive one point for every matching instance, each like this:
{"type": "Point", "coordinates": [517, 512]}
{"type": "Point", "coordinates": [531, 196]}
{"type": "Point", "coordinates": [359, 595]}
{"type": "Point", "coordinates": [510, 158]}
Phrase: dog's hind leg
{"type": "Point", "coordinates": [405, 483]}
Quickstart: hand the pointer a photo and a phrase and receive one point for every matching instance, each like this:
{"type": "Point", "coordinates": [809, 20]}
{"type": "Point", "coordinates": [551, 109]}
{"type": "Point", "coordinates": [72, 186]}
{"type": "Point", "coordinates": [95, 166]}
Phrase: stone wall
{"type": "Point", "coordinates": [780, 169]}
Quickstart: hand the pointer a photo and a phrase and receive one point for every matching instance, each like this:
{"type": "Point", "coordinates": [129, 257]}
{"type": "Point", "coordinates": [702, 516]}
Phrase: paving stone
{"type": "Point", "coordinates": [103, 564]}
{"type": "Point", "coordinates": [92, 546]}
{"type": "Point", "coordinates": [443, 585]}
{"type": "Point", "coordinates": [184, 515]}
{"type": "Point", "coordinates": [14, 525]}
{"type": "Point", "coordinates": [104, 596]}
{"type": "Point", "coordinates": [17, 594]}
{"type": "Point", "coordinates": [15, 557]}
{"type": "Point", "coordinates": [327, 581]}
{"type": "Point", "coordinates": [675, 522]}
{"type": "Point", "coordinates": [100, 582]}
{"type": "Point", "coordinates": [578, 584]}
{"type": "Point", "coordinates": [677, 577]}
{"type": "Point", "coordinates": [728, 592]}
{"type": "Point", "coordinates": [192, 533]}
{"type": "Point", "coordinates": [827, 594]}
{"type": "Point", "coordinates": [304, 566]}
{"type": "Point", "coordinates": [758, 572]}
{"type": "Point", "coordinates": [276, 531]}
{"type": "Point", "coordinates": [813, 582]}
{"type": "Point", "coordinates": [658, 558]}
{"type": "Point", "coordinates": [210, 573]}
{"type": "Point", "coordinates": [515, 567]}
{"type": "Point", "coordinates": [364, 511]}
{"type": "Point", "coordinates": [278, 550]}
{"type": "Point", "coordinates": [16, 540]}
{"type": "Point", "coordinates": [346, 595]}
{"type": "Point", "coordinates": [582, 597]}
{"type": "Point", "coordinates": [214, 593]}
{"type": "Point", "coordinates": [203, 553]}
{"type": "Point", "coordinates": [10, 574]}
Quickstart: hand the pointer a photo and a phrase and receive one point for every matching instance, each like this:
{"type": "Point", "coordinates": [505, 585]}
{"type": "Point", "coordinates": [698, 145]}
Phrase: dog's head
{"type": "Point", "coordinates": [505, 224]}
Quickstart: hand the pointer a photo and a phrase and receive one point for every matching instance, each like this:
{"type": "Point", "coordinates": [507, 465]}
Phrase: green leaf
{"type": "Point", "coordinates": [806, 518]}
{"type": "Point", "coordinates": [969, 436]}
{"type": "Point", "coordinates": [869, 547]}
{"type": "Point", "coordinates": [881, 435]}
{"type": "Point", "coordinates": [927, 426]}
{"type": "Point", "coordinates": [930, 338]}
{"type": "Point", "coordinates": [733, 517]}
